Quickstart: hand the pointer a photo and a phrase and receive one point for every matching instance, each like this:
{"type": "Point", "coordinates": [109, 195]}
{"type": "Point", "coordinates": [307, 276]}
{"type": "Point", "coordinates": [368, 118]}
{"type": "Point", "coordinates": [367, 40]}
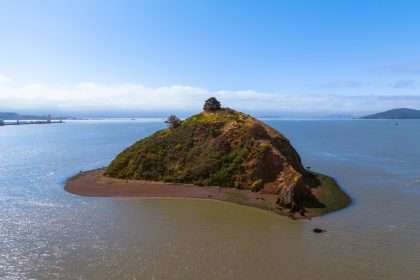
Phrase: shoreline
{"type": "Point", "coordinates": [94, 184]}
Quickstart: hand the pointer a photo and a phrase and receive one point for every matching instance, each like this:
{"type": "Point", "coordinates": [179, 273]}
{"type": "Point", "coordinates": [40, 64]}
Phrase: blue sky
{"type": "Point", "coordinates": [263, 56]}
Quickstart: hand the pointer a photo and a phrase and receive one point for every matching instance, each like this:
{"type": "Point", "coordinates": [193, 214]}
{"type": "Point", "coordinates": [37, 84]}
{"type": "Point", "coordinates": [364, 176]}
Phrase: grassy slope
{"type": "Point", "coordinates": [192, 153]}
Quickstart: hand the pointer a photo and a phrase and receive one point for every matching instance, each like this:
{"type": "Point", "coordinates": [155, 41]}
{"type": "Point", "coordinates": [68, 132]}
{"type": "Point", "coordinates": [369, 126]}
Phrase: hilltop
{"type": "Point", "coordinates": [400, 113]}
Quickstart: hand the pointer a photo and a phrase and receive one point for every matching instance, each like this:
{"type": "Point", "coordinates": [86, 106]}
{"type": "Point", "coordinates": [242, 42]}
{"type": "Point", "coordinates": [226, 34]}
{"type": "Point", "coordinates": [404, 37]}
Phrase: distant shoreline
{"type": "Point", "coordinates": [94, 184]}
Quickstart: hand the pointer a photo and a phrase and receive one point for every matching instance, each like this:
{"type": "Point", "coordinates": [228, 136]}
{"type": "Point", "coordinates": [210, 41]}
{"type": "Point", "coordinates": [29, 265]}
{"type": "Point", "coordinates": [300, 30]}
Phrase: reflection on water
{"type": "Point", "coordinates": [46, 233]}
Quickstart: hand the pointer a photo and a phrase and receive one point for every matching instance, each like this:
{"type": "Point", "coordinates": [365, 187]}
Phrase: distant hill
{"type": "Point", "coordinates": [15, 116]}
{"type": "Point", "coordinates": [8, 116]}
{"type": "Point", "coordinates": [400, 113]}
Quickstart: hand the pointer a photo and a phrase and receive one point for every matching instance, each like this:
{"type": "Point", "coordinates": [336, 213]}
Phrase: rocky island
{"type": "Point", "coordinates": [218, 154]}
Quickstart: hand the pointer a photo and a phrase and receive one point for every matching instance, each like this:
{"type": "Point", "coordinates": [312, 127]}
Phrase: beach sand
{"type": "Point", "coordinates": [94, 183]}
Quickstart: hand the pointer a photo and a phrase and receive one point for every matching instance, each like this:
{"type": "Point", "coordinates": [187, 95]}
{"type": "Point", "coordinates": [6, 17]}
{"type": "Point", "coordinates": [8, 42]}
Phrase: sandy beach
{"type": "Point", "coordinates": [95, 184]}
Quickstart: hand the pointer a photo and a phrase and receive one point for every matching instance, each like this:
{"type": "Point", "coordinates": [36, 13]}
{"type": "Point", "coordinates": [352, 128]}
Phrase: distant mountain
{"type": "Point", "coordinates": [16, 116]}
{"type": "Point", "coordinates": [8, 116]}
{"type": "Point", "coordinates": [400, 113]}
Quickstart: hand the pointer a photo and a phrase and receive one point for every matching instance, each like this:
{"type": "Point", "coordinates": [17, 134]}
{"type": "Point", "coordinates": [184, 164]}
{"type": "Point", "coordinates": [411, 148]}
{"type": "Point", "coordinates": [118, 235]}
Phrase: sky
{"type": "Point", "coordinates": [269, 57]}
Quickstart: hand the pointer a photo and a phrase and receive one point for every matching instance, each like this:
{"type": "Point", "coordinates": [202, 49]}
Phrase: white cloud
{"type": "Point", "coordinates": [4, 79]}
{"type": "Point", "coordinates": [137, 97]}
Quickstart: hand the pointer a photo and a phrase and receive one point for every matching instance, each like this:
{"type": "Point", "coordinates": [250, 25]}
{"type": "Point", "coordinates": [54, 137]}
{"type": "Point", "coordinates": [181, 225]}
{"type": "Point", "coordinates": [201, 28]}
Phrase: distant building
{"type": "Point", "coordinates": [1, 122]}
{"type": "Point", "coordinates": [49, 119]}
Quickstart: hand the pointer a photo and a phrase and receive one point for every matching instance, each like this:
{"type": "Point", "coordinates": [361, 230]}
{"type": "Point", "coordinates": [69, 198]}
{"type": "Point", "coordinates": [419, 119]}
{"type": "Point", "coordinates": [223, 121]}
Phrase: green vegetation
{"type": "Point", "coordinates": [173, 122]}
{"type": "Point", "coordinates": [206, 149]}
{"type": "Point", "coordinates": [222, 115]}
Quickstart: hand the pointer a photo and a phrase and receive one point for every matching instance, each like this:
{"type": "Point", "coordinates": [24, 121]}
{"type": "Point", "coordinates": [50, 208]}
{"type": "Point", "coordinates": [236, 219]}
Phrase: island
{"type": "Point", "coordinates": [217, 154]}
{"type": "Point", "coordinates": [400, 113]}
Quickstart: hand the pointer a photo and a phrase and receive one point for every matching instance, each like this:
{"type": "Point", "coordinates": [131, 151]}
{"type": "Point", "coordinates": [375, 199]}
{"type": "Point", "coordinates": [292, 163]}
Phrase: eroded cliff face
{"type": "Point", "coordinates": [224, 148]}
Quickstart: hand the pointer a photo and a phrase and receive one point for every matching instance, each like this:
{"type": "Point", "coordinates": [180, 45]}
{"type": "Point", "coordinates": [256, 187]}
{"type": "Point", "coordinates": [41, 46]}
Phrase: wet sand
{"type": "Point", "coordinates": [94, 183]}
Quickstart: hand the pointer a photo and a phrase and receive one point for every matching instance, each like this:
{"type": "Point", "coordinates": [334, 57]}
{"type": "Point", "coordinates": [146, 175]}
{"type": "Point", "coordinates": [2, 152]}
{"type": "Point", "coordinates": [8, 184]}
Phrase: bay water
{"type": "Point", "coordinates": [46, 233]}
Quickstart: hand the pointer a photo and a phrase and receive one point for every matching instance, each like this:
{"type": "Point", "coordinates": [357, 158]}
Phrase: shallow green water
{"type": "Point", "coordinates": [47, 233]}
